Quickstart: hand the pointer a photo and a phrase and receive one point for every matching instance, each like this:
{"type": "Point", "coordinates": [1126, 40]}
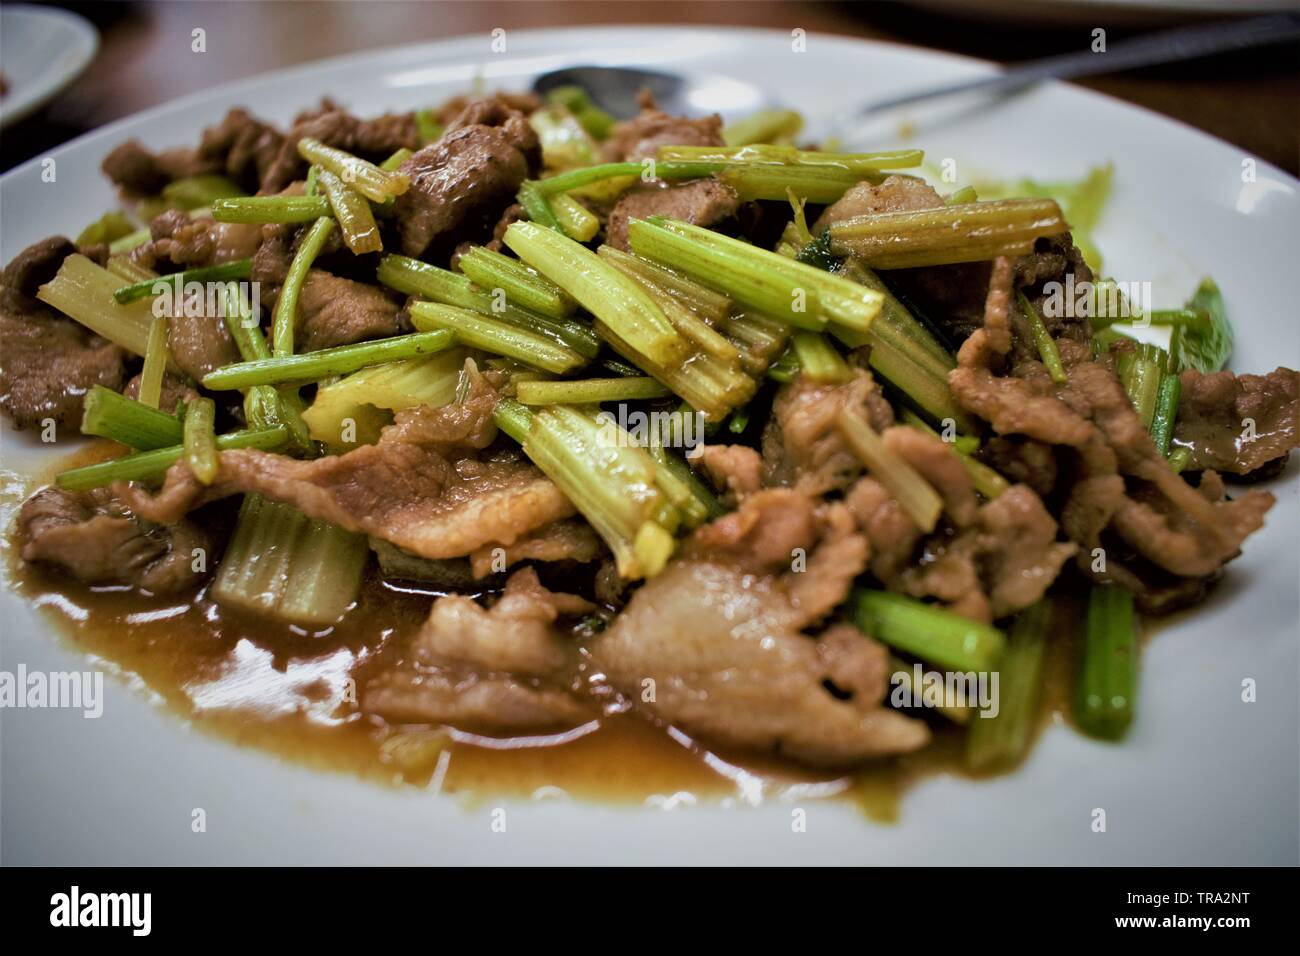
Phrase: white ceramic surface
{"type": "Point", "coordinates": [1202, 777]}
{"type": "Point", "coordinates": [42, 50]}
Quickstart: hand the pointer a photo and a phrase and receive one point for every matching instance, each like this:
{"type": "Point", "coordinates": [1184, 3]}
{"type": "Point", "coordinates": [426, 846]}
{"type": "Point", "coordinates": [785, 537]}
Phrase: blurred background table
{"type": "Point", "coordinates": [1250, 99]}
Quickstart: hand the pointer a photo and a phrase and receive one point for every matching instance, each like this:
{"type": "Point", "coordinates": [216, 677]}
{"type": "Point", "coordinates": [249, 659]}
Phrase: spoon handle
{"type": "Point", "coordinates": [1183, 43]}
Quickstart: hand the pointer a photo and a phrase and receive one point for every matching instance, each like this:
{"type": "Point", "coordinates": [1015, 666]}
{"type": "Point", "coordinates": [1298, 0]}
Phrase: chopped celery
{"type": "Point", "coordinates": [352, 212]}
{"type": "Point", "coordinates": [200, 440]}
{"type": "Point", "coordinates": [711, 306]}
{"type": "Point", "coordinates": [1166, 411]}
{"type": "Point", "coordinates": [565, 143]}
{"type": "Point", "coordinates": [589, 391]}
{"type": "Point", "coordinates": [576, 221]}
{"type": "Point", "coordinates": [424, 381]}
{"type": "Point", "coordinates": [155, 364]}
{"type": "Point", "coordinates": [420, 278]}
{"type": "Point", "coordinates": [1003, 739]}
{"type": "Point", "coordinates": [314, 366]}
{"type": "Point", "coordinates": [297, 569]}
{"type": "Point", "coordinates": [106, 229]}
{"type": "Point", "coordinates": [600, 288]}
{"type": "Point", "coordinates": [1047, 349]}
{"type": "Point", "coordinates": [151, 465]}
{"type": "Point", "coordinates": [84, 291]}
{"type": "Point", "coordinates": [609, 479]}
{"type": "Point", "coordinates": [918, 500]}
{"type": "Point", "coordinates": [765, 126]}
{"type": "Point", "coordinates": [521, 285]}
{"type": "Point", "coordinates": [272, 209]}
{"type": "Point", "coordinates": [819, 359]}
{"type": "Point", "coordinates": [366, 178]}
{"type": "Point", "coordinates": [108, 414]}
{"type": "Point", "coordinates": [966, 232]}
{"type": "Point", "coordinates": [148, 288]}
{"type": "Point", "coordinates": [778, 287]}
{"type": "Point", "coordinates": [1107, 682]}
{"type": "Point", "coordinates": [791, 157]}
{"type": "Point", "coordinates": [286, 306]}
{"type": "Point", "coordinates": [940, 637]}
{"type": "Point", "coordinates": [493, 335]}
{"type": "Point", "coordinates": [536, 206]}
{"type": "Point", "coordinates": [194, 192]}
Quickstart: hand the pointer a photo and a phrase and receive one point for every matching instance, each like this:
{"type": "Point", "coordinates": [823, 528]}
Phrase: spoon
{"type": "Point", "coordinates": [615, 89]}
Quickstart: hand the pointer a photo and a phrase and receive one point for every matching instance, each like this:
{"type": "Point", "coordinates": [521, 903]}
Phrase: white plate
{"type": "Point", "coordinates": [1203, 777]}
{"type": "Point", "coordinates": [42, 50]}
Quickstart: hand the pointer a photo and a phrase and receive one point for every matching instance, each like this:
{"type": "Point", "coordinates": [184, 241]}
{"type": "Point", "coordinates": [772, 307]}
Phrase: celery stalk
{"type": "Point", "coordinates": [294, 568]}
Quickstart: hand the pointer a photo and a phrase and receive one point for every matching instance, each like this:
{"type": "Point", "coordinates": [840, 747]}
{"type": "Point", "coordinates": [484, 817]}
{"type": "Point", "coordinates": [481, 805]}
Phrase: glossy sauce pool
{"type": "Point", "coordinates": [282, 690]}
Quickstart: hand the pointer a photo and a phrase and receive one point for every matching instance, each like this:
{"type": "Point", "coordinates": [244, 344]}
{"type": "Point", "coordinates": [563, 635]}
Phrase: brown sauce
{"type": "Point", "coordinates": [262, 684]}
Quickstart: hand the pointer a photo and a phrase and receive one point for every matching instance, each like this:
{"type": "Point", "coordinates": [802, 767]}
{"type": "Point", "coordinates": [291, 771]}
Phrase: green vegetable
{"type": "Point", "coordinates": [1107, 682]}
{"type": "Point", "coordinates": [589, 391]}
{"type": "Point", "coordinates": [765, 126]}
{"type": "Point", "coordinates": [610, 480]}
{"type": "Point", "coordinates": [151, 465]}
{"type": "Point", "coordinates": [283, 564]}
{"type": "Point", "coordinates": [1047, 349]}
{"type": "Point", "coordinates": [352, 213]}
{"type": "Point", "coordinates": [200, 440]}
{"type": "Point", "coordinates": [521, 285]}
{"type": "Point", "coordinates": [1166, 412]}
{"type": "Point", "coordinates": [107, 228]}
{"type": "Point", "coordinates": [223, 272]}
{"type": "Point", "coordinates": [314, 366]}
{"type": "Point", "coordinates": [1002, 740]}
{"type": "Point", "coordinates": [111, 415]}
{"type": "Point", "coordinates": [366, 178]}
{"type": "Point", "coordinates": [84, 292]}
{"type": "Point", "coordinates": [940, 637]}
{"type": "Point", "coordinates": [419, 278]}
{"type": "Point", "coordinates": [155, 364]}
{"type": "Point", "coordinates": [286, 306]}
{"type": "Point", "coordinates": [967, 232]}
{"type": "Point", "coordinates": [610, 296]}
{"type": "Point", "coordinates": [272, 209]}
{"type": "Point", "coordinates": [1203, 347]}
{"type": "Point", "coordinates": [196, 192]}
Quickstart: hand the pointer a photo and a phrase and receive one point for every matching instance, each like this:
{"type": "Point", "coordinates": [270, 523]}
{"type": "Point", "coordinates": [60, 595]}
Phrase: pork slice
{"type": "Point", "coordinates": [721, 649]}
{"type": "Point", "coordinates": [461, 183]}
{"type": "Point", "coordinates": [569, 540]}
{"type": "Point", "coordinates": [245, 147]}
{"type": "Point", "coordinates": [641, 137]}
{"type": "Point", "coordinates": [337, 311]}
{"type": "Point", "coordinates": [735, 470]}
{"type": "Point", "coordinates": [1001, 564]}
{"type": "Point", "coordinates": [802, 445]}
{"type": "Point", "coordinates": [91, 537]}
{"type": "Point", "coordinates": [705, 202]}
{"type": "Point", "coordinates": [504, 667]}
{"type": "Point", "coordinates": [421, 487]}
{"type": "Point", "coordinates": [181, 242]}
{"type": "Point", "coordinates": [1213, 414]}
{"type": "Point", "coordinates": [517, 635]}
{"type": "Point", "coordinates": [1117, 481]}
{"type": "Point", "coordinates": [47, 361]}
{"type": "Point", "coordinates": [937, 462]}
{"type": "Point", "coordinates": [469, 699]}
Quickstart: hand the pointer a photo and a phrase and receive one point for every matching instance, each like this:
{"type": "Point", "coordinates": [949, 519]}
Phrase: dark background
{"type": "Point", "coordinates": [1251, 99]}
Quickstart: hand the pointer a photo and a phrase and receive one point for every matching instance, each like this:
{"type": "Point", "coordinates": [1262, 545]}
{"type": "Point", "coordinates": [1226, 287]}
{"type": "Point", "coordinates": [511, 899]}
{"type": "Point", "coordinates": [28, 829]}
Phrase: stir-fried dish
{"type": "Point", "coordinates": [530, 421]}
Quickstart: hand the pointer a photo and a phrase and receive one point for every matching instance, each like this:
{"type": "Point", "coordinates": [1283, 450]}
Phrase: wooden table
{"type": "Point", "coordinates": [1252, 99]}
